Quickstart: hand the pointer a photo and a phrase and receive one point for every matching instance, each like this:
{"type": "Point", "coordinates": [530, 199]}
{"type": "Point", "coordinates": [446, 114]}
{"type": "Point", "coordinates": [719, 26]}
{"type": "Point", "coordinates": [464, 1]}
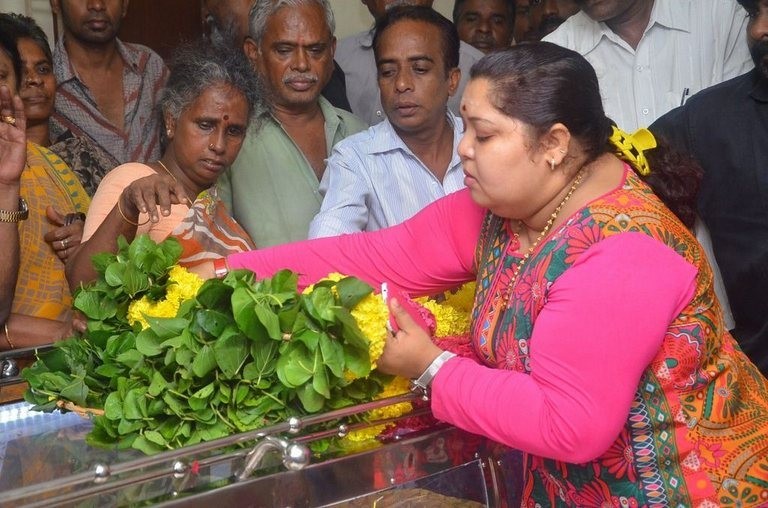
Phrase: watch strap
{"type": "Point", "coordinates": [428, 375]}
{"type": "Point", "coordinates": [21, 214]}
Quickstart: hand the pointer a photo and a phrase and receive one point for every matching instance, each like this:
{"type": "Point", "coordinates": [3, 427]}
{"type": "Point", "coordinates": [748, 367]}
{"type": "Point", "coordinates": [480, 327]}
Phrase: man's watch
{"type": "Point", "coordinates": [21, 214]}
{"type": "Point", "coordinates": [423, 382]}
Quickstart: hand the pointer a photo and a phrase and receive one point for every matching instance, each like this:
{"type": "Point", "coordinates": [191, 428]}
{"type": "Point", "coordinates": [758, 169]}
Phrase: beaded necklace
{"type": "Point", "coordinates": [519, 266]}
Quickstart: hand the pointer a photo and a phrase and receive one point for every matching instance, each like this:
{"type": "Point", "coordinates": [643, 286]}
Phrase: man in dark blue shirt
{"type": "Point", "coordinates": [725, 128]}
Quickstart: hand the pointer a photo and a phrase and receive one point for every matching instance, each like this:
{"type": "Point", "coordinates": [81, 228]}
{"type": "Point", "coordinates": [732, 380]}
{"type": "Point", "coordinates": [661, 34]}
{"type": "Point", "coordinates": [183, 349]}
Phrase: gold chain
{"type": "Point", "coordinates": [167, 170]}
{"type": "Point", "coordinates": [547, 227]}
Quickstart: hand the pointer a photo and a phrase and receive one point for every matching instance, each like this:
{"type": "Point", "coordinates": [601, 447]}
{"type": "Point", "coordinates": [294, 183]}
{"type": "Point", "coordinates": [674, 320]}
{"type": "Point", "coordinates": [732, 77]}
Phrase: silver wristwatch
{"type": "Point", "coordinates": [423, 382]}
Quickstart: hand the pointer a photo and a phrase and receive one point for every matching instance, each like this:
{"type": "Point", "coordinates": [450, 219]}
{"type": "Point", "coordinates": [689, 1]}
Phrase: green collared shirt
{"type": "Point", "coordinates": [271, 188]}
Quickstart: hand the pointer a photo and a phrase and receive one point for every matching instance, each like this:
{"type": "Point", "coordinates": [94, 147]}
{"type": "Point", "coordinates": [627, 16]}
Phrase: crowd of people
{"type": "Point", "coordinates": [605, 187]}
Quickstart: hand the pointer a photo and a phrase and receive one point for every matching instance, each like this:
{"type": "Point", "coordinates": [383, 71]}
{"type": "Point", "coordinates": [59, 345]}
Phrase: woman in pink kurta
{"type": "Point", "coordinates": [605, 356]}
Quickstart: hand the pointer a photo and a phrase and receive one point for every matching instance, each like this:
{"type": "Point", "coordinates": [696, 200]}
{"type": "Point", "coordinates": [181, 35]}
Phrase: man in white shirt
{"type": "Point", "coordinates": [383, 176]}
{"type": "Point", "coordinates": [650, 55]}
{"type": "Point", "coordinates": [355, 56]}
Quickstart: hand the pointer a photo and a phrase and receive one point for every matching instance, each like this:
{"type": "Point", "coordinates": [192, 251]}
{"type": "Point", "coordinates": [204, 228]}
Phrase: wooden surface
{"type": "Point", "coordinates": [161, 25]}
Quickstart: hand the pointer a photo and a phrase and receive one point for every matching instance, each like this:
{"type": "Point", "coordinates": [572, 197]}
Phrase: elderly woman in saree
{"type": "Point", "coordinates": [206, 108]}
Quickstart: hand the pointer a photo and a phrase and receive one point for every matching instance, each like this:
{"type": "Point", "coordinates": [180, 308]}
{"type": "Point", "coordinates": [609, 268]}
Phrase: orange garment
{"type": "Point", "coordinates": [109, 191]}
{"type": "Point", "coordinates": [41, 288]}
{"type": "Point", "coordinates": [206, 230]}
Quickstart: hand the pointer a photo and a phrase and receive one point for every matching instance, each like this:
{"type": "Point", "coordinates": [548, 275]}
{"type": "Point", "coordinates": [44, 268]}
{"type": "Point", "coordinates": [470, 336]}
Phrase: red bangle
{"type": "Point", "coordinates": [220, 268]}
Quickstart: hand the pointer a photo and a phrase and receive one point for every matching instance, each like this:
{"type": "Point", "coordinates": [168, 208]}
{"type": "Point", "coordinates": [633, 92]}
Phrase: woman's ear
{"type": "Point", "coordinates": [556, 142]}
{"type": "Point", "coordinates": [170, 125]}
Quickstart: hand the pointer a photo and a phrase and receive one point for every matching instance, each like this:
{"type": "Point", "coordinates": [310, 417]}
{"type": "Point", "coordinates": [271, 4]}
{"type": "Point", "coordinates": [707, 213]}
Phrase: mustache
{"type": "Point", "coordinates": [483, 38]}
{"type": "Point", "coordinates": [300, 76]}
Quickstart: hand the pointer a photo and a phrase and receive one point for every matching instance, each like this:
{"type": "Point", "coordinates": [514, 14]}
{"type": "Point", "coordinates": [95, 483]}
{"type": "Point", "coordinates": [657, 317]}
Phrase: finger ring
{"type": "Point", "coordinates": [64, 243]}
{"type": "Point", "coordinates": [9, 119]}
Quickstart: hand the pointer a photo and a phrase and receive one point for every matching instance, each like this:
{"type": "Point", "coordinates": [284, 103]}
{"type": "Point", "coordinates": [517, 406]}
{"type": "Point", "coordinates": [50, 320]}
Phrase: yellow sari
{"type": "Point", "coordinates": [41, 287]}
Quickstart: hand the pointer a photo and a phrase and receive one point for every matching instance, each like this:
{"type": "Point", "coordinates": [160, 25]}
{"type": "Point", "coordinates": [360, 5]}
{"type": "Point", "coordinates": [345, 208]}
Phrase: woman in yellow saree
{"type": "Point", "coordinates": [31, 268]}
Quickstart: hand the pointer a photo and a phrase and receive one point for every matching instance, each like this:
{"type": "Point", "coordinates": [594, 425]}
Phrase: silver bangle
{"type": "Point", "coordinates": [426, 377]}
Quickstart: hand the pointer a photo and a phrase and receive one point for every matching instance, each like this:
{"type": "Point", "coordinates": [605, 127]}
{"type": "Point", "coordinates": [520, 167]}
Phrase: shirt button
{"type": "Point", "coordinates": [639, 68]}
{"type": "Point", "coordinates": [378, 113]}
{"type": "Point", "coordinates": [645, 111]}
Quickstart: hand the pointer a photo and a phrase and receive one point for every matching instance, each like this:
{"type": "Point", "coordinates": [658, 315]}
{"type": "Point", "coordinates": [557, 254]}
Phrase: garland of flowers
{"type": "Point", "coordinates": [171, 360]}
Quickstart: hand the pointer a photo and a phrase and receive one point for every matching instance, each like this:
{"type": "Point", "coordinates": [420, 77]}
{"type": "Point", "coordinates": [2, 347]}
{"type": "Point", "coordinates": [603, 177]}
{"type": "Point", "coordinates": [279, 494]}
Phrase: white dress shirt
{"type": "Point", "coordinates": [373, 180]}
{"type": "Point", "coordinates": [354, 55]}
{"type": "Point", "coordinates": [688, 45]}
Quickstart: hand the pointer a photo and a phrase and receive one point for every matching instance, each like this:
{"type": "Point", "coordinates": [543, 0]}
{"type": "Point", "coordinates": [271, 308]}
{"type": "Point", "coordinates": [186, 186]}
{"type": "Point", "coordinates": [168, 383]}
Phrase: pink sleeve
{"type": "Point", "coordinates": [603, 323]}
{"type": "Point", "coordinates": [432, 251]}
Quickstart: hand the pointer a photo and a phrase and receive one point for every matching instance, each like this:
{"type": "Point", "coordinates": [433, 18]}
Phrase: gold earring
{"type": "Point", "coordinates": [552, 164]}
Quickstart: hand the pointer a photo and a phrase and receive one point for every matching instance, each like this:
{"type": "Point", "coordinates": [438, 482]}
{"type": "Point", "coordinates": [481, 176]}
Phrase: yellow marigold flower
{"type": "Point", "coordinates": [183, 286]}
{"type": "Point", "coordinates": [463, 298]}
{"type": "Point", "coordinates": [452, 315]}
{"type": "Point", "coordinates": [363, 435]}
{"type": "Point", "coordinates": [371, 315]}
{"type": "Point", "coordinates": [335, 277]}
{"type": "Point", "coordinates": [397, 386]}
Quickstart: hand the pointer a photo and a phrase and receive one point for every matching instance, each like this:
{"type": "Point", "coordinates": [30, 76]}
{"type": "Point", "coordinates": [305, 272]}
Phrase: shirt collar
{"type": "Point", "coordinates": [669, 14]}
{"type": "Point", "coordinates": [333, 120]}
{"type": "Point", "coordinates": [65, 71]}
{"type": "Point", "coordinates": [385, 138]}
{"type": "Point", "coordinates": [365, 39]}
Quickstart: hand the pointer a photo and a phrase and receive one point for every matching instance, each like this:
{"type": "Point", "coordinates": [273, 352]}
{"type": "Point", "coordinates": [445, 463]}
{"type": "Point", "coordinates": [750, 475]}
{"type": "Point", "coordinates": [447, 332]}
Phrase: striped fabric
{"type": "Point", "coordinates": [373, 181]}
{"type": "Point", "coordinates": [144, 76]}
{"type": "Point", "coordinates": [41, 288]}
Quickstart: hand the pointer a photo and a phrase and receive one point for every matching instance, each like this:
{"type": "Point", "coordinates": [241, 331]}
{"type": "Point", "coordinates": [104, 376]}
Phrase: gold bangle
{"type": "Point", "coordinates": [126, 219]}
{"type": "Point", "coordinates": [8, 337]}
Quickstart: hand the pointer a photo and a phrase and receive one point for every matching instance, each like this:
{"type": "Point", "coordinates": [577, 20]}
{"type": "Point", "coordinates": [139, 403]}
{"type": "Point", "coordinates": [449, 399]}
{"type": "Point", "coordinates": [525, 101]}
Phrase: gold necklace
{"type": "Point", "coordinates": [166, 170]}
{"type": "Point", "coordinates": [519, 266]}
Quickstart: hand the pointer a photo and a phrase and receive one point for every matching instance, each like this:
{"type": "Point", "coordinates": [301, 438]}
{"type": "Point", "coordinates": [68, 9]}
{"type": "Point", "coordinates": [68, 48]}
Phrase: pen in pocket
{"type": "Point", "coordinates": [686, 91]}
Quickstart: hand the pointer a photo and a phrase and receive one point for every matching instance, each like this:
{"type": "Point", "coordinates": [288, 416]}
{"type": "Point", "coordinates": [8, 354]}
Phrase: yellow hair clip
{"type": "Point", "coordinates": [630, 147]}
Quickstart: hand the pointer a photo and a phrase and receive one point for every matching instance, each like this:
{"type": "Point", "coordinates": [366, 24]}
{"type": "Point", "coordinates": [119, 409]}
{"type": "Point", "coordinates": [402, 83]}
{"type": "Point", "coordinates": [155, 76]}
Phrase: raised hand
{"type": "Point", "coordinates": [13, 138]}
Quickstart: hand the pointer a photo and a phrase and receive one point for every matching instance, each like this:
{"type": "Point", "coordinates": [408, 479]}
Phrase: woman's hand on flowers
{"type": "Point", "coordinates": [410, 350]}
{"type": "Point", "coordinates": [153, 195]}
{"type": "Point", "coordinates": [13, 138]}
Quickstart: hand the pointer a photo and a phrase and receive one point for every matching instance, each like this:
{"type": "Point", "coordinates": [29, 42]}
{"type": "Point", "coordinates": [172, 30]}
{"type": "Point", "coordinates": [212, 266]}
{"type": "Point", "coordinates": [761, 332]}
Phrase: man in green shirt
{"type": "Point", "coordinates": [272, 188]}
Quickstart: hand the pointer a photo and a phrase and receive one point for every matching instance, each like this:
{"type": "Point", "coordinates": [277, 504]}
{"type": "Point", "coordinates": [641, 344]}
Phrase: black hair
{"type": "Point", "coordinates": [541, 84]}
{"type": "Point", "coordinates": [449, 37]}
{"type": "Point", "coordinates": [8, 46]}
{"type": "Point", "coordinates": [749, 5]}
{"type": "Point", "coordinates": [511, 8]}
{"type": "Point", "coordinates": [24, 27]}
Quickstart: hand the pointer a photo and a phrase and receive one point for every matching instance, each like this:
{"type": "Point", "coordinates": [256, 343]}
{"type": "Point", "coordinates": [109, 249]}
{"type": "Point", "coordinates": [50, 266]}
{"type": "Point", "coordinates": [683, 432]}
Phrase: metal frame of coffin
{"type": "Point", "coordinates": [44, 461]}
